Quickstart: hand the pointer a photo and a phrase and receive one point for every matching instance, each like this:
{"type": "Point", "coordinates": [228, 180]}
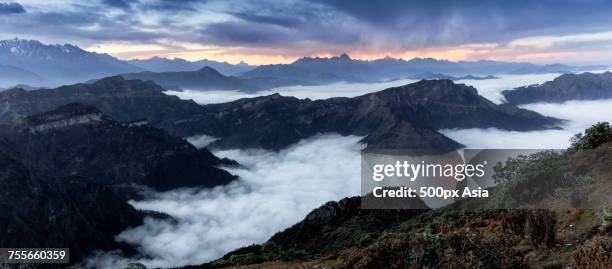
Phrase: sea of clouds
{"type": "Point", "coordinates": [275, 190]}
{"type": "Point", "coordinates": [489, 88]}
{"type": "Point", "coordinates": [340, 89]}
{"type": "Point", "coordinates": [579, 115]}
{"type": "Point", "coordinates": [278, 189]}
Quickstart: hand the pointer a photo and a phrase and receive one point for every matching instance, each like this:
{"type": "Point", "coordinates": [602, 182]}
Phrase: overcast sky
{"type": "Point", "coordinates": [282, 30]}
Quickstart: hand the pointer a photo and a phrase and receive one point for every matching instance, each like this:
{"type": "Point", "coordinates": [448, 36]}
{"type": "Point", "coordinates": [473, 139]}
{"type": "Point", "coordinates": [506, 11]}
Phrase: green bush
{"type": "Point", "coordinates": [529, 178]}
{"type": "Point", "coordinates": [593, 137]}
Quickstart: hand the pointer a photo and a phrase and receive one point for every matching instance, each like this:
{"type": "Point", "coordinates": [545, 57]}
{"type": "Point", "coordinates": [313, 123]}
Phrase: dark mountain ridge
{"type": "Point", "coordinates": [400, 117]}
{"type": "Point", "coordinates": [11, 75]}
{"type": "Point", "coordinates": [585, 86]}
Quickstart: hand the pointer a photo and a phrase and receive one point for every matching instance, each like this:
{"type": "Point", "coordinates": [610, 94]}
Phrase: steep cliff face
{"type": "Point", "coordinates": [79, 140]}
{"type": "Point", "coordinates": [585, 86]}
{"type": "Point", "coordinates": [59, 211]}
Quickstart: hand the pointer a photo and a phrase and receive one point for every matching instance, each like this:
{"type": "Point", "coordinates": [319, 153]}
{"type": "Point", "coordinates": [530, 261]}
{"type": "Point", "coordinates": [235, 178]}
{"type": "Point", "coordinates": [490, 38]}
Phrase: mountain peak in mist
{"type": "Point", "coordinates": [344, 56]}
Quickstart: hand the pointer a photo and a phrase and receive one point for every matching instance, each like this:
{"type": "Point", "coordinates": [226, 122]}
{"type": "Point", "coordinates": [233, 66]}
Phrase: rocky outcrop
{"type": "Point", "coordinates": [585, 86]}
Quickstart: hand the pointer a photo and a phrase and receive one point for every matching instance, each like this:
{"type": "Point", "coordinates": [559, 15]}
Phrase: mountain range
{"type": "Point", "coordinates": [34, 63]}
{"type": "Point", "coordinates": [585, 86]}
{"type": "Point", "coordinates": [406, 116]}
{"type": "Point", "coordinates": [37, 64]}
{"type": "Point", "coordinates": [319, 70]}
{"type": "Point", "coordinates": [400, 117]}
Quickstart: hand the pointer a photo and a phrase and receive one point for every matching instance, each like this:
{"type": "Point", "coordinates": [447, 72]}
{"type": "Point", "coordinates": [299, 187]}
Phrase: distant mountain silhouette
{"type": "Point", "coordinates": [11, 75]}
{"type": "Point", "coordinates": [158, 64]}
{"type": "Point", "coordinates": [225, 67]}
{"type": "Point", "coordinates": [320, 70]}
{"type": "Point", "coordinates": [37, 64]}
{"type": "Point", "coordinates": [205, 78]}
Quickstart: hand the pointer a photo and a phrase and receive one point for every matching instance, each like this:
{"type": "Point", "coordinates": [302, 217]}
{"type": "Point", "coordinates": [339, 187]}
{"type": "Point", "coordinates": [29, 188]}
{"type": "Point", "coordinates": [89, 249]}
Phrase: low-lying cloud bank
{"type": "Point", "coordinates": [276, 190]}
{"type": "Point", "coordinates": [580, 115]}
{"type": "Point", "coordinates": [340, 89]}
{"type": "Point", "coordinates": [489, 88]}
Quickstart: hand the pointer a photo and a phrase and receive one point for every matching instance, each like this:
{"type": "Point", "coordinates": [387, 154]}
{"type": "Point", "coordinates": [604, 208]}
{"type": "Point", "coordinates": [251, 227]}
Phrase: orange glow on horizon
{"type": "Point", "coordinates": [263, 59]}
{"type": "Point", "coordinates": [255, 57]}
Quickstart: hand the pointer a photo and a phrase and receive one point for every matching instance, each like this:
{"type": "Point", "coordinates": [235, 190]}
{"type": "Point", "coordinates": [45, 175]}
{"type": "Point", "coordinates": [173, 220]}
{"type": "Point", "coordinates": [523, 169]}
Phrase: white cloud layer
{"type": "Point", "coordinates": [580, 115]}
{"type": "Point", "coordinates": [489, 88]}
{"type": "Point", "coordinates": [341, 89]}
{"type": "Point", "coordinates": [274, 192]}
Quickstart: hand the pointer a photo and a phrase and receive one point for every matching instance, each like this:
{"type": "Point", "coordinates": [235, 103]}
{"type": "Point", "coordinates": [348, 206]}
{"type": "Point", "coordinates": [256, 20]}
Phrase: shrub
{"type": "Point", "coordinates": [593, 136]}
{"type": "Point", "coordinates": [542, 227]}
{"type": "Point", "coordinates": [594, 254]}
{"type": "Point", "coordinates": [527, 179]}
